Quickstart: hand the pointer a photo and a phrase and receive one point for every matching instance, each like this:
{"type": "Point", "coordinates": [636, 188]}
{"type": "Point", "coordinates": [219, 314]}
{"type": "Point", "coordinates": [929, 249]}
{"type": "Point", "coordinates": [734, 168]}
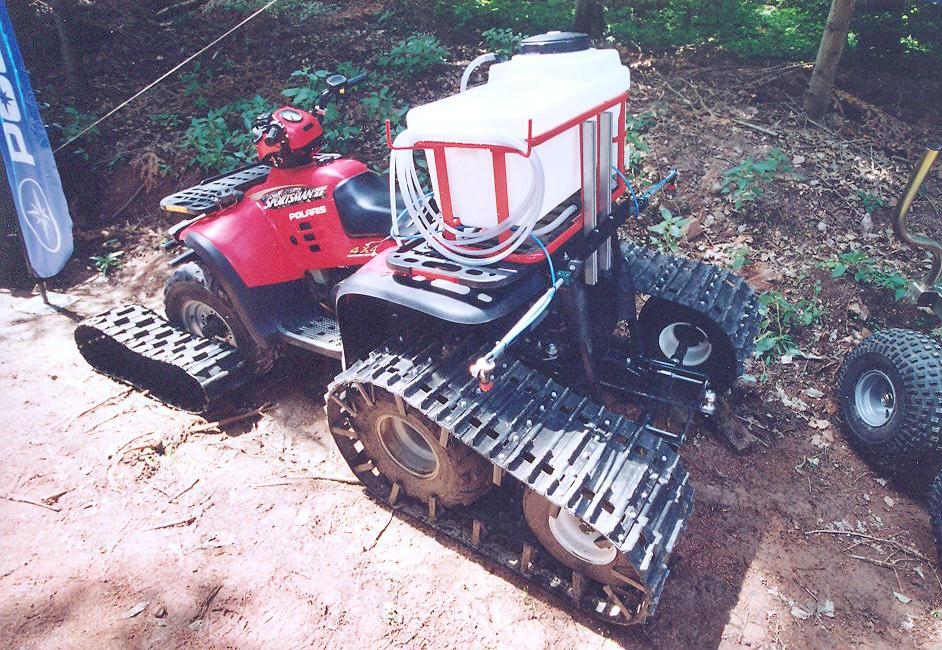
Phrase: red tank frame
{"type": "Point", "coordinates": [499, 154]}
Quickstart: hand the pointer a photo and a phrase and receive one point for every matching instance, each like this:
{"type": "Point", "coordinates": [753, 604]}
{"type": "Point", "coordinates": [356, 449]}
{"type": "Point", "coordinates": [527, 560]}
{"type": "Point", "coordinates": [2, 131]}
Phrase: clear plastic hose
{"type": "Point", "coordinates": [465, 245]}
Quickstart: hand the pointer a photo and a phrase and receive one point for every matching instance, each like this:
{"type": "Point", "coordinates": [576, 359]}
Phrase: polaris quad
{"type": "Point", "coordinates": [469, 394]}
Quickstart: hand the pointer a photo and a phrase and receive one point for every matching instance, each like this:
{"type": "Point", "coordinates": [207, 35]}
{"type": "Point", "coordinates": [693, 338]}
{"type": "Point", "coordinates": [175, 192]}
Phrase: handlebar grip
{"type": "Point", "coordinates": [273, 135]}
{"type": "Point", "coordinates": [356, 79]}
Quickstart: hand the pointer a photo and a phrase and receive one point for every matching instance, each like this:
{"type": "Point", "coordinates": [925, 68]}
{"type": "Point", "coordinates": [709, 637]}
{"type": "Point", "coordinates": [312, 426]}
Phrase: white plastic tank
{"type": "Point", "coordinates": [554, 79]}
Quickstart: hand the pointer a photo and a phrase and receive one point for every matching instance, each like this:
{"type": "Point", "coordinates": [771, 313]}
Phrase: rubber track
{"type": "Point", "coordinates": [135, 345]}
{"type": "Point", "coordinates": [718, 294]}
{"type": "Point", "coordinates": [616, 475]}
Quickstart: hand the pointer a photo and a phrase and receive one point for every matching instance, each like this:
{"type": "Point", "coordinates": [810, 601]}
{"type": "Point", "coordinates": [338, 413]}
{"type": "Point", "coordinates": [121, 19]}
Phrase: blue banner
{"type": "Point", "coordinates": [30, 165]}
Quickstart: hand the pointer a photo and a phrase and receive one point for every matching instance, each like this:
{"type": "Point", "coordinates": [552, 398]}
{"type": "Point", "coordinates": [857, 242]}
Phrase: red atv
{"type": "Point", "coordinates": [296, 251]}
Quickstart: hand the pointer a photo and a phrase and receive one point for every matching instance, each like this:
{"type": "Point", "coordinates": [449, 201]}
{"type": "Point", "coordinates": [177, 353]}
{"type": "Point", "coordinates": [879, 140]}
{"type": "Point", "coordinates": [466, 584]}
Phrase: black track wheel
{"type": "Point", "coordinates": [404, 446]}
{"type": "Point", "coordinates": [195, 302]}
{"type": "Point", "coordinates": [575, 544]}
{"type": "Point", "coordinates": [891, 399]}
{"type": "Point", "coordinates": [935, 511]}
{"type": "Point", "coordinates": [669, 330]}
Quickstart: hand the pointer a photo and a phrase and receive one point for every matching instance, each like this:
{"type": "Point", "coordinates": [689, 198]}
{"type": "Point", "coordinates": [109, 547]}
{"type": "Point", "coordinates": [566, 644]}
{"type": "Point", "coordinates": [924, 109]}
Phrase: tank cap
{"type": "Point", "coordinates": [555, 43]}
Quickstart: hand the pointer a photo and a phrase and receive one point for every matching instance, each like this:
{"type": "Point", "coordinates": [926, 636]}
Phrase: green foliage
{"type": "Point", "coordinates": [783, 320]}
{"type": "Point", "coordinates": [871, 202]}
{"type": "Point", "coordinates": [745, 183]}
{"type": "Point", "coordinates": [772, 29]}
{"type": "Point", "coordinates": [782, 29]}
{"type": "Point", "coordinates": [740, 257]}
{"type": "Point", "coordinates": [107, 263]}
{"type": "Point", "coordinates": [193, 83]}
{"type": "Point", "coordinates": [76, 122]}
{"type": "Point", "coordinates": [381, 105]}
{"type": "Point", "coordinates": [527, 16]}
{"type": "Point", "coordinates": [867, 271]}
{"type": "Point", "coordinates": [669, 230]}
{"type": "Point", "coordinates": [294, 11]}
{"type": "Point", "coordinates": [309, 84]}
{"type": "Point", "coordinates": [502, 42]}
{"type": "Point", "coordinates": [415, 54]}
{"type": "Point", "coordinates": [637, 148]}
{"type": "Point", "coordinates": [165, 118]}
{"type": "Point", "coordinates": [222, 139]}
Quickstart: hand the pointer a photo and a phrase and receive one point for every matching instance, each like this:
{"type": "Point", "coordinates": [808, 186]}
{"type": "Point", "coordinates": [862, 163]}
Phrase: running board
{"type": "Point", "coordinates": [134, 345]}
{"type": "Point", "coordinates": [316, 332]}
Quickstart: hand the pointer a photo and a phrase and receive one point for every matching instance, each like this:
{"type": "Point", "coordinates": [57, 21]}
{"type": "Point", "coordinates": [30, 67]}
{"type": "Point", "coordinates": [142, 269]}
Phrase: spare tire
{"type": "Point", "coordinates": [891, 400]}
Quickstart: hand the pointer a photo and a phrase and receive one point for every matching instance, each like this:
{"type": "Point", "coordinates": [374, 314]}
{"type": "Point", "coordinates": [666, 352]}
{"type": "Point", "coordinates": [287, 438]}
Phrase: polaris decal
{"type": "Point", "coordinates": [310, 212]}
{"type": "Point", "coordinates": [282, 197]}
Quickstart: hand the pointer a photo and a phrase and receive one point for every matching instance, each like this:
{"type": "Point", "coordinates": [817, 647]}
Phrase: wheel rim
{"type": "Point", "coordinates": [407, 447]}
{"type": "Point", "coordinates": [581, 540]}
{"type": "Point", "coordinates": [202, 320]}
{"type": "Point", "coordinates": [695, 339]}
{"type": "Point", "coordinates": [875, 398]}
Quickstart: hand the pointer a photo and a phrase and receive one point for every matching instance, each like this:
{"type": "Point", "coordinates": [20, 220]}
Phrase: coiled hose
{"type": "Point", "coordinates": [465, 245]}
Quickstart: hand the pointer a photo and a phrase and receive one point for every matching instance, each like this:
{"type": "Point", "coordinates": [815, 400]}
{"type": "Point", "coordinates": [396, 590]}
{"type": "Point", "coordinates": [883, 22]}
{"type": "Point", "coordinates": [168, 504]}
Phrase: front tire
{"type": "Point", "coordinates": [194, 301]}
{"type": "Point", "coordinates": [891, 399]}
{"type": "Point", "coordinates": [404, 446]}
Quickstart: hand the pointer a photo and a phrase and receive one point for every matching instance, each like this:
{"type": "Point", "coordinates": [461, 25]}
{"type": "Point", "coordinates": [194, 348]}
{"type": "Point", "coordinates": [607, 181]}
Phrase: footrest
{"type": "Point", "coordinates": [315, 331]}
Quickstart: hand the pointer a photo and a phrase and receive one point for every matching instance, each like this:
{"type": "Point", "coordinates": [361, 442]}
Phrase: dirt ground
{"type": "Point", "coordinates": [256, 537]}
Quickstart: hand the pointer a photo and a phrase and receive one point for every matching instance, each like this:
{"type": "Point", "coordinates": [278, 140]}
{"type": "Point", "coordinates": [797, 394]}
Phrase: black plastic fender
{"type": "Point", "coordinates": [370, 302]}
{"type": "Point", "coordinates": [261, 309]}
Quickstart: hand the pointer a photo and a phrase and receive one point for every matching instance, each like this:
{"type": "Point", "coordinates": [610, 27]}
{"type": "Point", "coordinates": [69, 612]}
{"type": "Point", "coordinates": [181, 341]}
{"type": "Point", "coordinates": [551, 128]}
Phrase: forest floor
{"type": "Point", "coordinates": [126, 523]}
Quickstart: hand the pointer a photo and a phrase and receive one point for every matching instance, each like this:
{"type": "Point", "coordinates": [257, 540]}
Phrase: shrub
{"type": "Point", "coordinates": [502, 42]}
{"type": "Point", "coordinates": [746, 182]}
{"type": "Point", "coordinates": [415, 54]}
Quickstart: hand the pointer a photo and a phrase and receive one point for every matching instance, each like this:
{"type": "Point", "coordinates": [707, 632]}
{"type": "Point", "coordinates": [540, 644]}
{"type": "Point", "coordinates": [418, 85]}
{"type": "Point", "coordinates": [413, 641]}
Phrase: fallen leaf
{"type": "Point", "coordinates": [692, 229]}
{"type": "Point", "coordinates": [889, 501]}
{"type": "Point", "coordinates": [814, 393]}
{"type": "Point", "coordinates": [759, 276]}
{"type": "Point", "coordinates": [798, 612]}
{"type": "Point", "coordinates": [826, 609]}
{"type": "Point", "coordinates": [901, 598]}
{"type": "Point", "coordinates": [858, 310]}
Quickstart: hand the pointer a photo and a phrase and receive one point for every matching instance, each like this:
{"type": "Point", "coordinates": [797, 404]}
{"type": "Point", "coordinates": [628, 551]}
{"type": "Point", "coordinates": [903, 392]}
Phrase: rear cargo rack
{"type": "Point", "coordinates": [215, 193]}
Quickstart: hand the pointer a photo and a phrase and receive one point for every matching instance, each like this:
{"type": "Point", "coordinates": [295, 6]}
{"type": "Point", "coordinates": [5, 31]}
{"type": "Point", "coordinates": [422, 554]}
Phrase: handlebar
{"type": "Point", "coordinates": [274, 134]}
{"type": "Point", "coordinates": [337, 90]}
{"type": "Point", "coordinates": [902, 210]}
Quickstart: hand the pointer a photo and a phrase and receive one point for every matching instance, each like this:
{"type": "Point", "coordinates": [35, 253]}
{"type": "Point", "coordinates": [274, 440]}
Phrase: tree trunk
{"type": "Point", "coordinates": [589, 17]}
{"type": "Point", "coordinates": [62, 14]}
{"type": "Point", "coordinates": [829, 56]}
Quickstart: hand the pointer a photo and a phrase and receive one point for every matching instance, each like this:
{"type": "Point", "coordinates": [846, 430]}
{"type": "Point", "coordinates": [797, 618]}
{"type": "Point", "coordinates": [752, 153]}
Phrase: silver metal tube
{"type": "Point", "coordinates": [913, 240]}
{"type": "Point", "coordinates": [590, 194]}
{"type": "Point", "coordinates": [605, 184]}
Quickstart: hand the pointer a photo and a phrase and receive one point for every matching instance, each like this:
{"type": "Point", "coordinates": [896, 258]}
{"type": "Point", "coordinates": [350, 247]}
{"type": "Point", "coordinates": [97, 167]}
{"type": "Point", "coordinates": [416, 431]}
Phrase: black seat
{"type": "Point", "coordinates": [363, 204]}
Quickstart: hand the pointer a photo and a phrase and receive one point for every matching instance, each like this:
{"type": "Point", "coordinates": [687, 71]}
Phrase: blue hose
{"type": "Point", "coordinates": [634, 197]}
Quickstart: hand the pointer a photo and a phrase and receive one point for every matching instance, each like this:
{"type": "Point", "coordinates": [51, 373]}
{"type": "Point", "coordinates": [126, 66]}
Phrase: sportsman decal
{"type": "Point", "coordinates": [282, 197]}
